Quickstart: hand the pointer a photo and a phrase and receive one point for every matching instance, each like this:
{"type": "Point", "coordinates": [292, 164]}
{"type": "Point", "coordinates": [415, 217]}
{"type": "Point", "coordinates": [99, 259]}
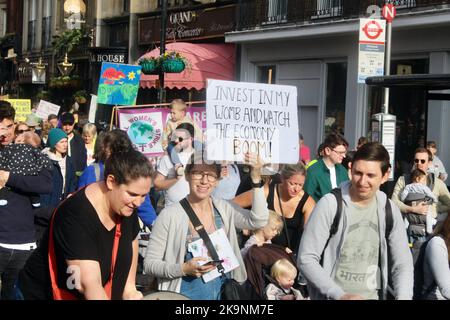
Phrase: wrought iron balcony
{"type": "Point", "coordinates": [260, 13]}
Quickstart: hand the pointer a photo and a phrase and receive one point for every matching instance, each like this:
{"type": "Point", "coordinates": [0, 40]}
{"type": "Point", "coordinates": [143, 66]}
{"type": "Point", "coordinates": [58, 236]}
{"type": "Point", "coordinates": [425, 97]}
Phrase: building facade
{"type": "Point", "coordinates": [313, 44]}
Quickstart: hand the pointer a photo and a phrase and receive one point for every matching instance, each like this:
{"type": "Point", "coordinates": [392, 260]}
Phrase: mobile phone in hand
{"type": "Point", "coordinates": [213, 262]}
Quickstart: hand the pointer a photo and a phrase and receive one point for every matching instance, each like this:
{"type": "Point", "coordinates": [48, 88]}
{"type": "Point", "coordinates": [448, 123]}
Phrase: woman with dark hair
{"type": "Point", "coordinates": [112, 142]}
{"type": "Point", "coordinates": [289, 200]}
{"type": "Point", "coordinates": [437, 264]}
{"type": "Point", "coordinates": [170, 259]}
{"type": "Point", "coordinates": [91, 249]}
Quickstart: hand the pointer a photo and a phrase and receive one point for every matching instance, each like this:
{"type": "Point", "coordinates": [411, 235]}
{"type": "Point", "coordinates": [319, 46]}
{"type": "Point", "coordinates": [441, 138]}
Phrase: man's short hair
{"type": "Point", "coordinates": [424, 150]}
{"type": "Point", "coordinates": [188, 127]}
{"type": "Point", "coordinates": [431, 144]}
{"type": "Point", "coordinates": [67, 118]}
{"type": "Point", "coordinates": [374, 151]}
{"type": "Point", "coordinates": [6, 111]}
{"type": "Point", "coordinates": [333, 140]}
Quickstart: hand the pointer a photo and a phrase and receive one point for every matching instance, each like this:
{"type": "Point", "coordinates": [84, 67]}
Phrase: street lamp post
{"type": "Point", "coordinates": [162, 49]}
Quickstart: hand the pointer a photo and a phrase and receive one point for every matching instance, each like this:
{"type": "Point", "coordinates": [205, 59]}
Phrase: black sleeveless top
{"type": "Point", "coordinates": [294, 224]}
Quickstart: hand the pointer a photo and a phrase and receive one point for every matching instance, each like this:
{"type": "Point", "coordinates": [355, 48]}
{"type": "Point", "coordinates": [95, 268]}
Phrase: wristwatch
{"type": "Point", "coordinates": [259, 184]}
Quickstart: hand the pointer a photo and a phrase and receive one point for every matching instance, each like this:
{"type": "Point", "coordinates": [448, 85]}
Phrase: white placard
{"type": "Point", "coordinates": [46, 108]}
{"type": "Point", "coordinates": [224, 251]}
{"type": "Point", "coordinates": [251, 117]}
{"type": "Point", "coordinates": [92, 108]}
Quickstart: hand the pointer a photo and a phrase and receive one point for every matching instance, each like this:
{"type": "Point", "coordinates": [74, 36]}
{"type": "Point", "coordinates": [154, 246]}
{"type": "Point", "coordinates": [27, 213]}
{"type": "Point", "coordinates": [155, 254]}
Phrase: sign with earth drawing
{"type": "Point", "coordinates": [145, 128]}
{"type": "Point", "coordinates": [118, 84]}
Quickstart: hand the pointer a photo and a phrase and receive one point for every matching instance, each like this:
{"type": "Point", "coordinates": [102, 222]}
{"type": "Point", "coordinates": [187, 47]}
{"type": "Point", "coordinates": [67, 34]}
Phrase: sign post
{"type": "Point", "coordinates": [384, 124]}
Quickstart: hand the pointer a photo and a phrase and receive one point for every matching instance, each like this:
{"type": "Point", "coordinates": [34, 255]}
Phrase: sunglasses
{"type": "Point", "coordinates": [178, 139]}
{"type": "Point", "coordinates": [422, 161]}
{"type": "Point", "coordinates": [22, 131]}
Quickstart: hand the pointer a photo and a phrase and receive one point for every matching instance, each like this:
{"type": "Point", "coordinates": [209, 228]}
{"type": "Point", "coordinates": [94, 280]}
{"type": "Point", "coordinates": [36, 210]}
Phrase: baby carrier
{"type": "Point", "coordinates": [417, 222]}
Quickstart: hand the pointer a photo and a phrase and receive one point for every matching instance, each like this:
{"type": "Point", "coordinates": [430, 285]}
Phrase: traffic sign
{"type": "Point", "coordinates": [372, 31]}
{"type": "Point", "coordinates": [389, 12]}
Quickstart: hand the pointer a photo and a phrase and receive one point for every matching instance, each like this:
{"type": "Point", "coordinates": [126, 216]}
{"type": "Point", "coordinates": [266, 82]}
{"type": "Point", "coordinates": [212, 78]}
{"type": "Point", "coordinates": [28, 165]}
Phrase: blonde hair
{"type": "Point", "coordinates": [281, 267]}
{"type": "Point", "coordinates": [275, 220]}
{"type": "Point", "coordinates": [90, 128]}
{"type": "Point", "coordinates": [178, 104]}
{"type": "Point", "coordinates": [32, 139]}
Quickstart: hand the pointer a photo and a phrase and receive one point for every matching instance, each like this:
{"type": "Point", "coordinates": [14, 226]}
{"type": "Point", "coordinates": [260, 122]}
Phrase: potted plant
{"type": "Point", "coordinates": [80, 96]}
{"type": "Point", "coordinates": [173, 62]}
{"type": "Point", "coordinates": [150, 65]}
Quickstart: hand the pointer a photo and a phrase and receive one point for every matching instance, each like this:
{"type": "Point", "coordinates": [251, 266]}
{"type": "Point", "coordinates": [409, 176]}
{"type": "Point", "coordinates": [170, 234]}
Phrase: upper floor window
{"type": "Point", "coordinates": [32, 23]}
{"type": "Point", "coordinates": [47, 23]}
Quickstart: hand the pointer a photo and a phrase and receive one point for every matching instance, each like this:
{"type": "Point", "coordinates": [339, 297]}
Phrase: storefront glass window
{"type": "Point", "coordinates": [335, 99]}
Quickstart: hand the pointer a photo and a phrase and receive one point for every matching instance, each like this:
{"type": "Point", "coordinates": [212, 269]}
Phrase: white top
{"type": "Point", "coordinates": [181, 188]}
{"type": "Point", "coordinates": [333, 177]}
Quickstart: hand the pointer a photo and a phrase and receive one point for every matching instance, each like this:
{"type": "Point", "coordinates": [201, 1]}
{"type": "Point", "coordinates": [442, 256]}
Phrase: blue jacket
{"type": "Point", "coordinates": [53, 199]}
{"type": "Point", "coordinates": [146, 212]}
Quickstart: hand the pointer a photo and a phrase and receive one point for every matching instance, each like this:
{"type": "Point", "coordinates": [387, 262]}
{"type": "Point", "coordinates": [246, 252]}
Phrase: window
{"type": "Point", "coordinates": [276, 11]}
{"type": "Point", "coordinates": [335, 100]}
{"type": "Point", "coordinates": [266, 74]}
{"type": "Point", "coordinates": [32, 23]}
{"type": "Point", "coordinates": [328, 8]}
{"type": "Point", "coordinates": [3, 22]}
{"type": "Point", "coordinates": [47, 24]}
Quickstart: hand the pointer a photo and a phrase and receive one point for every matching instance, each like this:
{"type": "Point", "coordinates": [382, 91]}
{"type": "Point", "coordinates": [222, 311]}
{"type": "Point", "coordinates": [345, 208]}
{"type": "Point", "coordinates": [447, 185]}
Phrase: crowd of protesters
{"type": "Point", "coordinates": [75, 200]}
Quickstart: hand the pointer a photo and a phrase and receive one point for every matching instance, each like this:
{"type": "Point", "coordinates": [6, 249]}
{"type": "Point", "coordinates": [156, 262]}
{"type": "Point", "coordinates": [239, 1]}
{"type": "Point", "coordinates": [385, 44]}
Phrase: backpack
{"type": "Point", "coordinates": [418, 293]}
{"type": "Point", "coordinates": [337, 218]}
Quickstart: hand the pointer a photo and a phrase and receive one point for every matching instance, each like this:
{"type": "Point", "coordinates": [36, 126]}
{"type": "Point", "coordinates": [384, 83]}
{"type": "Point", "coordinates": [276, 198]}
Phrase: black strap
{"type": "Point", "coordinates": [282, 216]}
{"type": "Point", "coordinates": [335, 225]}
{"type": "Point", "coordinates": [201, 232]}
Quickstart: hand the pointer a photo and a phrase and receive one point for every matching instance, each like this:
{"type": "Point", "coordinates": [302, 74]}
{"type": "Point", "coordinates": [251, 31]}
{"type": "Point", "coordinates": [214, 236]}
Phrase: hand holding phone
{"type": "Point", "coordinates": [213, 262]}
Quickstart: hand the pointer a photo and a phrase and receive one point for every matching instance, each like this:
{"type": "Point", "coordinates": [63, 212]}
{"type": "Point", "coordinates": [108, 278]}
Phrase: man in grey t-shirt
{"type": "Point", "coordinates": [353, 263]}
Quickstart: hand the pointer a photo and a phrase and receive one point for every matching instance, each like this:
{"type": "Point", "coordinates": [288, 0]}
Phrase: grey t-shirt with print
{"type": "Point", "coordinates": [358, 271]}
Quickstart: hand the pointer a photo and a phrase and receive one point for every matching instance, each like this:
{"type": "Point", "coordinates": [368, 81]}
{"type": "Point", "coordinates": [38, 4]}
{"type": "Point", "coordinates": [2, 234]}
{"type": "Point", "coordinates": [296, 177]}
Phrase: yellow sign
{"type": "Point", "coordinates": [22, 106]}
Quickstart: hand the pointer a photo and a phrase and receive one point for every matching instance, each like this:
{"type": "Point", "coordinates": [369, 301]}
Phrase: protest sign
{"type": "Point", "coordinates": [118, 84]}
{"type": "Point", "coordinates": [22, 107]}
{"type": "Point", "coordinates": [46, 108]}
{"type": "Point", "coordinates": [251, 117]}
{"type": "Point", "coordinates": [145, 127]}
{"type": "Point", "coordinates": [93, 108]}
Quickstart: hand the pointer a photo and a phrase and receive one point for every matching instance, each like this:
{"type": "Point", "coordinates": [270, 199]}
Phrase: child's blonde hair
{"type": "Point", "coordinates": [275, 220]}
{"type": "Point", "coordinates": [32, 139]}
{"type": "Point", "coordinates": [281, 267]}
{"type": "Point", "coordinates": [178, 104]}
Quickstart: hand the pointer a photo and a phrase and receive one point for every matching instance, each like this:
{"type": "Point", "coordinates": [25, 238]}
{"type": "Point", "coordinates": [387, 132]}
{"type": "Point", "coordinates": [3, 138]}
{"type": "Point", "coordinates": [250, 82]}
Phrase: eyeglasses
{"type": "Point", "coordinates": [422, 161]}
{"type": "Point", "coordinates": [198, 175]}
{"type": "Point", "coordinates": [22, 131]}
{"type": "Point", "coordinates": [342, 153]}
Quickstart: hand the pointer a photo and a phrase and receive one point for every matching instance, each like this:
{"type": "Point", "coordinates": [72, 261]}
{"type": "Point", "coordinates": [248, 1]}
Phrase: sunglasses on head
{"type": "Point", "coordinates": [422, 161]}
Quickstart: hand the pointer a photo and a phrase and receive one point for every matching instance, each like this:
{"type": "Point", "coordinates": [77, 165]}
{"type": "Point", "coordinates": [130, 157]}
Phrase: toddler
{"type": "Point", "coordinates": [266, 234]}
{"type": "Point", "coordinates": [283, 274]}
{"type": "Point", "coordinates": [414, 193]}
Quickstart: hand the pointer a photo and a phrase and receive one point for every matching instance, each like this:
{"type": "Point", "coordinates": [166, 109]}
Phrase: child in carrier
{"type": "Point", "coordinates": [283, 274]}
{"type": "Point", "coordinates": [24, 159]}
{"type": "Point", "coordinates": [266, 234]}
{"type": "Point", "coordinates": [415, 193]}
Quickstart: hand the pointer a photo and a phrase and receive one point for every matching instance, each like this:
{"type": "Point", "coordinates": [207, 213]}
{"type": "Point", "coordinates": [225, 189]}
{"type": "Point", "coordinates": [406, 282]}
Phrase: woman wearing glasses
{"type": "Point", "coordinates": [169, 258]}
{"type": "Point", "coordinates": [21, 128]}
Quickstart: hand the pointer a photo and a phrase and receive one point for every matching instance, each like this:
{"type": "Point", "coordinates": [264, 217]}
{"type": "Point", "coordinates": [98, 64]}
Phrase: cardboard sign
{"type": "Point", "coordinates": [118, 84]}
{"type": "Point", "coordinates": [251, 117]}
{"type": "Point", "coordinates": [46, 108]}
{"type": "Point", "coordinates": [22, 107]}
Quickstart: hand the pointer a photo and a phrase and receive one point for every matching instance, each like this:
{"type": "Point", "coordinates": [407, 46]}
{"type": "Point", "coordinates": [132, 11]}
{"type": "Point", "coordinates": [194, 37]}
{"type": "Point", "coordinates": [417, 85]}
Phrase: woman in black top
{"type": "Point", "coordinates": [82, 237]}
{"type": "Point", "coordinates": [287, 198]}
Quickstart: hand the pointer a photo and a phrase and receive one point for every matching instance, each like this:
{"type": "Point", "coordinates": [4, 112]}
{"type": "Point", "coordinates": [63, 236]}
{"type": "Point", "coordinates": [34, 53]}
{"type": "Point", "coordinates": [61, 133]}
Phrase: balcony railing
{"type": "Point", "coordinates": [260, 13]}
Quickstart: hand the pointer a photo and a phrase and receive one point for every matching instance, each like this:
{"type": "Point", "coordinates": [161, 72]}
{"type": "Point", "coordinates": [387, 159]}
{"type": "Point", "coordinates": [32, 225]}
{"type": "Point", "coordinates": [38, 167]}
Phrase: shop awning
{"type": "Point", "coordinates": [208, 61]}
